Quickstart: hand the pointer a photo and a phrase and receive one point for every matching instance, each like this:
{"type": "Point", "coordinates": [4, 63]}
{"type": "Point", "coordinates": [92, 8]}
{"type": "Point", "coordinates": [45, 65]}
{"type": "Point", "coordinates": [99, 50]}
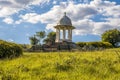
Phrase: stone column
{"type": "Point", "coordinates": [64, 34]}
{"type": "Point", "coordinates": [68, 34]}
{"type": "Point", "coordinates": [57, 35]}
{"type": "Point", "coordinates": [71, 34]}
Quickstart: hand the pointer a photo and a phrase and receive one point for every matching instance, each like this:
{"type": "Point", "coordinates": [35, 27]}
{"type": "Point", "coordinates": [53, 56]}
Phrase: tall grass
{"type": "Point", "coordinates": [97, 65]}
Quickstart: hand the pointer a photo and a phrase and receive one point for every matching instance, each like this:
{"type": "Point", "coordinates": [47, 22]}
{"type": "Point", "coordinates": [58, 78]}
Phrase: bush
{"type": "Point", "coordinates": [25, 47]}
{"type": "Point", "coordinates": [93, 45]}
{"type": "Point", "coordinates": [9, 50]}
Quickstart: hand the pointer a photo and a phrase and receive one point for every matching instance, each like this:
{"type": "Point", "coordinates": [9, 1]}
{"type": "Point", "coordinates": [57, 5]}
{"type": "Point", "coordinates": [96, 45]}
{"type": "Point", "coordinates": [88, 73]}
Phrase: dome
{"type": "Point", "coordinates": [65, 20]}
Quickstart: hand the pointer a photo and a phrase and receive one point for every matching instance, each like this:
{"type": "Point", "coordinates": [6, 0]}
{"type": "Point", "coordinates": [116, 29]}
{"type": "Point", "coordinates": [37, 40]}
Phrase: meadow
{"type": "Point", "coordinates": [92, 65]}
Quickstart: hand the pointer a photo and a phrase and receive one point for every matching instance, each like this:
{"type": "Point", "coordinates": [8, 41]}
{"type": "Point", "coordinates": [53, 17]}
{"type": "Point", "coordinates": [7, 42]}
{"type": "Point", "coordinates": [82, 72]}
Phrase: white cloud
{"type": "Point", "coordinates": [51, 26]}
{"type": "Point", "coordinates": [4, 12]}
{"type": "Point", "coordinates": [31, 17]}
{"type": "Point", "coordinates": [75, 11]}
{"type": "Point", "coordinates": [54, 2]}
{"type": "Point", "coordinates": [113, 11]}
{"type": "Point", "coordinates": [9, 7]}
{"type": "Point", "coordinates": [39, 2]}
{"type": "Point", "coordinates": [8, 20]}
{"type": "Point", "coordinates": [102, 3]}
{"type": "Point", "coordinates": [101, 27]}
{"type": "Point", "coordinates": [19, 21]}
{"type": "Point", "coordinates": [80, 11]}
{"type": "Point", "coordinates": [80, 15]}
{"type": "Point", "coordinates": [87, 26]}
{"type": "Point", "coordinates": [11, 40]}
{"type": "Point", "coordinates": [52, 16]}
{"type": "Point", "coordinates": [84, 26]}
{"type": "Point", "coordinates": [107, 8]}
{"type": "Point", "coordinates": [113, 21]}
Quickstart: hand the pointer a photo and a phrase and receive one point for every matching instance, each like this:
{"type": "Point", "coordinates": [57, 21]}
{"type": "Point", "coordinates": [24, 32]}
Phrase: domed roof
{"type": "Point", "coordinates": [65, 20]}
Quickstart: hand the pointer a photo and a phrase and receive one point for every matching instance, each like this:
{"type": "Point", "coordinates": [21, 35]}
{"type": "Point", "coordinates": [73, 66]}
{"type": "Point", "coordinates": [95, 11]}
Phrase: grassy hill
{"type": "Point", "coordinates": [97, 65]}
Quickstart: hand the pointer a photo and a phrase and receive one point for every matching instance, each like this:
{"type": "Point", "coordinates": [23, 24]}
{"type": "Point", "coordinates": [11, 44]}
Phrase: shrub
{"type": "Point", "coordinates": [93, 45]}
{"type": "Point", "coordinates": [25, 47]}
{"type": "Point", "coordinates": [9, 50]}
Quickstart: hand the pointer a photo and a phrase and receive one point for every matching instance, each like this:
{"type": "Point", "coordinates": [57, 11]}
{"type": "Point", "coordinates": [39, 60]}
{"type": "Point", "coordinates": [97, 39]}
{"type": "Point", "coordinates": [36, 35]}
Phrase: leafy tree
{"type": "Point", "coordinates": [40, 35]}
{"type": "Point", "coordinates": [111, 36]}
{"type": "Point", "coordinates": [50, 38]}
{"type": "Point", "coordinates": [34, 40]}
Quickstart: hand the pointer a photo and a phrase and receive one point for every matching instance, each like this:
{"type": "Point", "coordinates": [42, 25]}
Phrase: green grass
{"type": "Point", "coordinates": [97, 65]}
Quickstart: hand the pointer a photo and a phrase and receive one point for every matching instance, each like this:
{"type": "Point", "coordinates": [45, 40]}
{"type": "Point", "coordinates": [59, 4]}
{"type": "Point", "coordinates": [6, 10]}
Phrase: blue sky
{"type": "Point", "coordinates": [20, 19]}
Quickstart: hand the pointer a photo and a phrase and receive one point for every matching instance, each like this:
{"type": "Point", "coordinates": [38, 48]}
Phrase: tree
{"type": "Point", "coordinates": [111, 36]}
{"type": "Point", "coordinates": [40, 35]}
{"type": "Point", "coordinates": [50, 38]}
{"type": "Point", "coordinates": [34, 40]}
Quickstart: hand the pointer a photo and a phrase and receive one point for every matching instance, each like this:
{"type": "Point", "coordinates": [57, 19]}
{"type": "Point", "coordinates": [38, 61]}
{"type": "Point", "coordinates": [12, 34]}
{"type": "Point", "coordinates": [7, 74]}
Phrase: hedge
{"type": "Point", "coordinates": [9, 50]}
{"type": "Point", "coordinates": [94, 45]}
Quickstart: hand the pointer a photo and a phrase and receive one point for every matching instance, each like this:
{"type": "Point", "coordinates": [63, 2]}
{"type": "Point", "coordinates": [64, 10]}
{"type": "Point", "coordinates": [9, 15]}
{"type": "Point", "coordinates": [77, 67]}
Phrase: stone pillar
{"type": "Point", "coordinates": [64, 34]}
{"type": "Point", "coordinates": [71, 34]}
{"type": "Point", "coordinates": [68, 34]}
{"type": "Point", "coordinates": [57, 35]}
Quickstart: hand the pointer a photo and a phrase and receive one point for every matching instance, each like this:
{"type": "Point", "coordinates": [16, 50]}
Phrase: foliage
{"type": "Point", "coordinates": [97, 65]}
{"type": "Point", "coordinates": [25, 47]}
{"type": "Point", "coordinates": [93, 45]}
{"type": "Point", "coordinates": [40, 35]}
{"type": "Point", "coordinates": [112, 36]}
{"type": "Point", "coordinates": [50, 38]}
{"type": "Point", "coordinates": [33, 40]}
{"type": "Point", "coordinates": [9, 50]}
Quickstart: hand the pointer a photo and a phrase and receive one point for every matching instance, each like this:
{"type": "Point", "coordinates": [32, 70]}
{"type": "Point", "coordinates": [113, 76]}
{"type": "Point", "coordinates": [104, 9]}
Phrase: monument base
{"type": "Point", "coordinates": [57, 46]}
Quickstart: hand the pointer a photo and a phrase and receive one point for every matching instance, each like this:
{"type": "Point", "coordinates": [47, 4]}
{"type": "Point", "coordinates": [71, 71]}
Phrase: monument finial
{"type": "Point", "coordinates": [65, 13]}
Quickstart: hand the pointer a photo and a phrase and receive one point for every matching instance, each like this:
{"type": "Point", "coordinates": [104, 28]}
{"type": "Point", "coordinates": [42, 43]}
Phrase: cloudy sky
{"type": "Point", "coordinates": [20, 19]}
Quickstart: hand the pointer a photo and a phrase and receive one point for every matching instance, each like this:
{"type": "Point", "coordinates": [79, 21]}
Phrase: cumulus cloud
{"type": "Point", "coordinates": [4, 12]}
{"type": "Point", "coordinates": [8, 20]}
{"type": "Point", "coordinates": [75, 11]}
{"type": "Point", "coordinates": [9, 7]}
{"type": "Point", "coordinates": [101, 27]}
{"type": "Point", "coordinates": [83, 27]}
{"type": "Point", "coordinates": [51, 16]}
{"type": "Point", "coordinates": [102, 3]}
{"type": "Point", "coordinates": [113, 11]}
{"type": "Point", "coordinates": [81, 16]}
{"type": "Point", "coordinates": [80, 11]}
{"type": "Point", "coordinates": [114, 21]}
{"type": "Point", "coordinates": [31, 18]}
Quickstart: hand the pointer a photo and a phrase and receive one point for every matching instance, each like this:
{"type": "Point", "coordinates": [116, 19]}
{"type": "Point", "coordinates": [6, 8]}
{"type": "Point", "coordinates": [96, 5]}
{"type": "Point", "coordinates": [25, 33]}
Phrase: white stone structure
{"type": "Point", "coordinates": [65, 27]}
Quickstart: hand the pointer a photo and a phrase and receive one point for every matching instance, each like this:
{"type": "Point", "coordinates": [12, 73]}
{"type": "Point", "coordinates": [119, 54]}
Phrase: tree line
{"type": "Point", "coordinates": [110, 36]}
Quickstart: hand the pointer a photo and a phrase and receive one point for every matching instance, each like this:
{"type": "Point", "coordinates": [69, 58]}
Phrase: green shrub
{"type": "Point", "coordinates": [25, 47]}
{"type": "Point", "coordinates": [9, 50]}
{"type": "Point", "coordinates": [93, 45]}
{"type": "Point", "coordinates": [81, 44]}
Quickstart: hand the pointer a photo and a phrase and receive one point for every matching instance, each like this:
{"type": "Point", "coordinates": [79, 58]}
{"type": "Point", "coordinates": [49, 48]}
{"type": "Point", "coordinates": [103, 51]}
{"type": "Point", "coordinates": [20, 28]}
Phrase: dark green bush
{"type": "Point", "coordinates": [93, 45]}
{"type": "Point", "coordinates": [81, 44]}
{"type": "Point", "coordinates": [9, 50]}
{"type": "Point", "coordinates": [25, 47]}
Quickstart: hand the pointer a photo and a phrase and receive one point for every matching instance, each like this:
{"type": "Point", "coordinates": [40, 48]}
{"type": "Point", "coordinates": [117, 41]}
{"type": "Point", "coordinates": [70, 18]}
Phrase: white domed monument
{"type": "Point", "coordinates": [64, 28]}
{"type": "Point", "coordinates": [63, 35]}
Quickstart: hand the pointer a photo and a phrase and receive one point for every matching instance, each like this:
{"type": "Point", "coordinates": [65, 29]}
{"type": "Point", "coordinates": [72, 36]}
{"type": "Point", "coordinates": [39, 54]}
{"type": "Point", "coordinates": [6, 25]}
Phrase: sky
{"type": "Point", "coordinates": [20, 19]}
